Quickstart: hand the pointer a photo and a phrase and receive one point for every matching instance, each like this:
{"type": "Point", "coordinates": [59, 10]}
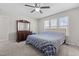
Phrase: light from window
{"type": "Point", "coordinates": [63, 21]}
{"type": "Point", "coordinates": [53, 23]}
{"type": "Point", "coordinates": [46, 24]}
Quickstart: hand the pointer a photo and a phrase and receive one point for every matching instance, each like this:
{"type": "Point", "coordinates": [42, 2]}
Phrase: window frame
{"type": "Point", "coordinates": [58, 26]}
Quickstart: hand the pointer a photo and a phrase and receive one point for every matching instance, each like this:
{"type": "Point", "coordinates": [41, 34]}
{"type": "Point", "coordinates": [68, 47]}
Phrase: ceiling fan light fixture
{"type": "Point", "coordinates": [37, 9]}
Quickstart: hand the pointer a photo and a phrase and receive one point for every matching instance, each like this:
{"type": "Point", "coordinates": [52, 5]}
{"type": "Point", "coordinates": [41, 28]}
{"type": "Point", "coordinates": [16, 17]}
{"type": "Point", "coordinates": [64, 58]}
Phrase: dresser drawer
{"type": "Point", "coordinates": [22, 35]}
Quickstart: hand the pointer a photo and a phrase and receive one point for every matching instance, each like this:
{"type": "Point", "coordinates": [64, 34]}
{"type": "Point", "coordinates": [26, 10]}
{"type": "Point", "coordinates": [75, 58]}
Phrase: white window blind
{"type": "Point", "coordinates": [46, 24]}
{"type": "Point", "coordinates": [53, 23]}
{"type": "Point", "coordinates": [63, 21]}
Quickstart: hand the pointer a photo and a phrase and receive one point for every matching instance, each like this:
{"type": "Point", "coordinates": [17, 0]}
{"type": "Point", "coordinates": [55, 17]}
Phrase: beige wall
{"type": "Point", "coordinates": [73, 15]}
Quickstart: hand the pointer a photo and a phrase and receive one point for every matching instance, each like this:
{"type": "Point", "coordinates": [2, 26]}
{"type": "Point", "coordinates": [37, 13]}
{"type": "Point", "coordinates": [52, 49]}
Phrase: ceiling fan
{"type": "Point", "coordinates": [37, 7]}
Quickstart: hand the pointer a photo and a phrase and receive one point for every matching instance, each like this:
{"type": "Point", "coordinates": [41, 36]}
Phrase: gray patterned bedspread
{"type": "Point", "coordinates": [46, 42]}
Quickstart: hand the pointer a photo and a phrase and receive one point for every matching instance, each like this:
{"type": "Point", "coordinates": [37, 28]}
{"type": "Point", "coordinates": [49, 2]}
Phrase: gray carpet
{"type": "Point", "coordinates": [8, 48]}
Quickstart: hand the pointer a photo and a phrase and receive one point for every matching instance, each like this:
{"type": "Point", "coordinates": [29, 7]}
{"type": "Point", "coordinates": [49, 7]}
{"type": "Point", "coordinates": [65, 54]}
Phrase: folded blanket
{"type": "Point", "coordinates": [49, 50]}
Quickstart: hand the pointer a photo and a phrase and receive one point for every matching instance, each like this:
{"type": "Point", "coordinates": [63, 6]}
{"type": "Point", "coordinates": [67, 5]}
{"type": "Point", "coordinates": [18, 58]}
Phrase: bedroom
{"type": "Point", "coordinates": [57, 19]}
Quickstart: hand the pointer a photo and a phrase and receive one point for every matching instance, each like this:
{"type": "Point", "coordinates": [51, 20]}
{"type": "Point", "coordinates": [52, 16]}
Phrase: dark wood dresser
{"type": "Point", "coordinates": [23, 33]}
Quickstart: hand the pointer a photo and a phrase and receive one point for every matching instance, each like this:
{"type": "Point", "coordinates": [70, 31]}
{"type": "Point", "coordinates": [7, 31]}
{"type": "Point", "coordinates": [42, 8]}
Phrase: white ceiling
{"type": "Point", "coordinates": [18, 9]}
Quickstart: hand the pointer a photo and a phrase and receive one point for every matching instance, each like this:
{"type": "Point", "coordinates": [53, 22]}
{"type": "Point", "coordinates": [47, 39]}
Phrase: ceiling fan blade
{"type": "Point", "coordinates": [40, 11]}
{"type": "Point", "coordinates": [35, 4]}
{"type": "Point", "coordinates": [44, 7]}
{"type": "Point", "coordinates": [32, 10]}
{"type": "Point", "coordinates": [29, 6]}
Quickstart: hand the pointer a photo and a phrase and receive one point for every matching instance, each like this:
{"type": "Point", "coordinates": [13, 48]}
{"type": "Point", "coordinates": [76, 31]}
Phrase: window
{"type": "Point", "coordinates": [50, 24]}
{"type": "Point", "coordinates": [53, 23]}
{"type": "Point", "coordinates": [63, 22]}
{"type": "Point", "coordinates": [46, 24]}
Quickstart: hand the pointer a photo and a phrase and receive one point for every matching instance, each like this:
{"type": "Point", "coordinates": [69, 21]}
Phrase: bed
{"type": "Point", "coordinates": [47, 42]}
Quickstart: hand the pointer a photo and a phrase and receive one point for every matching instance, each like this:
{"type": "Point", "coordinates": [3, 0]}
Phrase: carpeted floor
{"type": "Point", "coordinates": [69, 50]}
{"type": "Point", "coordinates": [8, 48]}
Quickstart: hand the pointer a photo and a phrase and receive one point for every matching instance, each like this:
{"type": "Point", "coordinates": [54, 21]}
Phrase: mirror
{"type": "Point", "coordinates": [23, 25]}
